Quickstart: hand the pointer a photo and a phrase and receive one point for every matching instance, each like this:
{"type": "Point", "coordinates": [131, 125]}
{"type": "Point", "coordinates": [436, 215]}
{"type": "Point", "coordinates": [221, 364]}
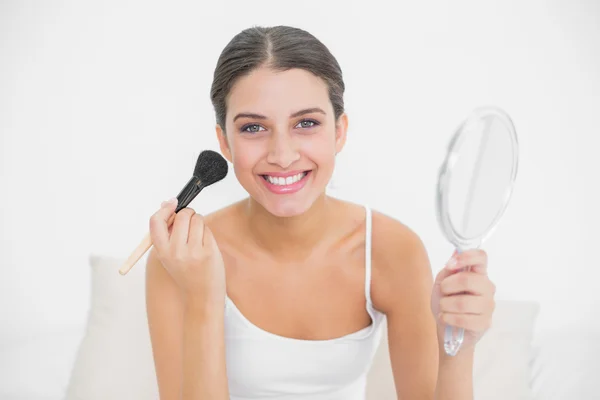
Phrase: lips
{"type": "Point", "coordinates": [284, 180]}
{"type": "Point", "coordinates": [286, 183]}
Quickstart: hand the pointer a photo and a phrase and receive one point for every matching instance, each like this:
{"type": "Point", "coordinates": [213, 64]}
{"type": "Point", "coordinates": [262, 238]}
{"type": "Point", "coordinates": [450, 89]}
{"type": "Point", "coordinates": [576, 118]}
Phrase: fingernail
{"type": "Point", "coordinates": [451, 263]}
{"type": "Point", "coordinates": [169, 202]}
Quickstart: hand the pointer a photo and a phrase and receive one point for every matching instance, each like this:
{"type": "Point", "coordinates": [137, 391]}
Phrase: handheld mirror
{"type": "Point", "coordinates": [475, 185]}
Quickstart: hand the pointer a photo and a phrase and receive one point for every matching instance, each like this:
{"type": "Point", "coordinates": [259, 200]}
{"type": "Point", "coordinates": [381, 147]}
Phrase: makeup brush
{"type": "Point", "coordinates": [210, 168]}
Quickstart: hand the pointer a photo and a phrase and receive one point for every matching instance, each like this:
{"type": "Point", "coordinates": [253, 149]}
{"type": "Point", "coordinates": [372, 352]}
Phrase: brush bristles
{"type": "Point", "coordinates": [211, 167]}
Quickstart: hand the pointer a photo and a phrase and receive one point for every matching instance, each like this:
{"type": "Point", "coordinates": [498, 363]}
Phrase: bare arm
{"type": "Point", "coordinates": [187, 340]}
{"type": "Point", "coordinates": [205, 375]}
{"type": "Point", "coordinates": [164, 306]}
{"type": "Point", "coordinates": [186, 305]}
{"type": "Point", "coordinates": [402, 282]}
{"type": "Point", "coordinates": [455, 376]}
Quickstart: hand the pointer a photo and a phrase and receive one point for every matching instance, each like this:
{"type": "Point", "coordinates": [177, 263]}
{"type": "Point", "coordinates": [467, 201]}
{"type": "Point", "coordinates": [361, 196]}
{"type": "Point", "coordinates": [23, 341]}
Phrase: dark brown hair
{"type": "Point", "coordinates": [280, 48]}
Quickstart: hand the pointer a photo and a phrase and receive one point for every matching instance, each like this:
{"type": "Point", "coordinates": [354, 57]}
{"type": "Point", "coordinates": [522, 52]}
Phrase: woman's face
{"type": "Point", "coordinates": [282, 138]}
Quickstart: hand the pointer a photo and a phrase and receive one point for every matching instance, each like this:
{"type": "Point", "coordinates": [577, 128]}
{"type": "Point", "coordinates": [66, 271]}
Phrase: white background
{"type": "Point", "coordinates": [104, 107]}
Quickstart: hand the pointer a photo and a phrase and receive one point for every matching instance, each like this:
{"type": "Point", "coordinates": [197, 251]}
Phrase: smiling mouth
{"type": "Point", "coordinates": [281, 181]}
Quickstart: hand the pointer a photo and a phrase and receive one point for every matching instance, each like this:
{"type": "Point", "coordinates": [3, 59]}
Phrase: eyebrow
{"type": "Point", "coordinates": [294, 115]}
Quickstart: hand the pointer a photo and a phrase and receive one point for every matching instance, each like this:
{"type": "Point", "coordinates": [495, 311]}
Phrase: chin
{"type": "Point", "coordinates": [288, 205]}
{"type": "Point", "coordinates": [286, 208]}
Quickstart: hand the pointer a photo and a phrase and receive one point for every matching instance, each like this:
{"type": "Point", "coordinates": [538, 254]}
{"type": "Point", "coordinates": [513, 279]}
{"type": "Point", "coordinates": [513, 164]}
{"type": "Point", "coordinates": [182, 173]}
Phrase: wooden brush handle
{"type": "Point", "coordinates": [142, 248]}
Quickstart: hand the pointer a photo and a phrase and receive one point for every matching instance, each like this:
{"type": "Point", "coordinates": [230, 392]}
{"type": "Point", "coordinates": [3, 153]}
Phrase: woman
{"type": "Point", "coordinates": [282, 295]}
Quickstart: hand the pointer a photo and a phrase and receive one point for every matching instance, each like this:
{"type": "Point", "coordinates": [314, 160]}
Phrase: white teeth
{"type": "Point", "coordinates": [281, 181]}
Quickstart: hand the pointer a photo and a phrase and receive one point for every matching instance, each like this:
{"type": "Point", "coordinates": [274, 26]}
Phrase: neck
{"type": "Point", "coordinates": [289, 238]}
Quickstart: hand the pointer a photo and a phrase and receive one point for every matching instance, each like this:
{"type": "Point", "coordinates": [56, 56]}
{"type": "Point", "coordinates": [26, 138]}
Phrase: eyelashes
{"type": "Point", "coordinates": [255, 128]}
{"type": "Point", "coordinates": [310, 121]}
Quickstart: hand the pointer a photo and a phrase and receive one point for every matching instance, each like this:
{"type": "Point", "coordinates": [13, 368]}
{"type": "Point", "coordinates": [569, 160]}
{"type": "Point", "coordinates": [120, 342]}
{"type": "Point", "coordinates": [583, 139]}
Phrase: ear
{"type": "Point", "coordinates": [223, 144]}
{"type": "Point", "coordinates": [341, 128]}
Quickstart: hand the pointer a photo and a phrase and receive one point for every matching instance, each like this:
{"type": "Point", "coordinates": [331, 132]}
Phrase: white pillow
{"type": "Point", "coordinates": [503, 357]}
{"type": "Point", "coordinates": [567, 364]}
{"type": "Point", "coordinates": [115, 360]}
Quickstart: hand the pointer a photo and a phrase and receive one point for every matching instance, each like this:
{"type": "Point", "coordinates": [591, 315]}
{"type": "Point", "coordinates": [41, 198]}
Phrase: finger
{"type": "Point", "coordinates": [467, 283]}
{"type": "Point", "coordinates": [469, 322]}
{"type": "Point", "coordinates": [159, 231]}
{"type": "Point", "coordinates": [465, 304]}
{"type": "Point", "coordinates": [446, 271]}
{"type": "Point", "coordinates": [181, 228]}
{"type": "Point", "coordinates": [196, 235]}
{"type": "Point", "coordinates": [476, 259]}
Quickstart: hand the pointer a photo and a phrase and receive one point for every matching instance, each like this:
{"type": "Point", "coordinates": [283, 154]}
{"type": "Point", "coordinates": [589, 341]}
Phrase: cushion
{"type": "Point", "coordinates": [503, 357]}
{"type": "Point", "coordinates": [114, 360]}
{"type": "Point", "coordinates": [567, 363]}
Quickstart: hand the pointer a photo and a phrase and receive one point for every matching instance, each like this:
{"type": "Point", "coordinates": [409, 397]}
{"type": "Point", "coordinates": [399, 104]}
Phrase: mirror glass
{"type": "Point", "coordinates": [481, 175]}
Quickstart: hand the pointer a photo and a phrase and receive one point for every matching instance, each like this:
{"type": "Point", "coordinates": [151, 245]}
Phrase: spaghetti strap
{"type": "Point", "coordinates": [368, 257]}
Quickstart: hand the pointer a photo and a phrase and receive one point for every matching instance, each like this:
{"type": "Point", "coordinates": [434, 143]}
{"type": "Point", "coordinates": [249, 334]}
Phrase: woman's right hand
{"type": "Point", "coordinates": [190, 254]}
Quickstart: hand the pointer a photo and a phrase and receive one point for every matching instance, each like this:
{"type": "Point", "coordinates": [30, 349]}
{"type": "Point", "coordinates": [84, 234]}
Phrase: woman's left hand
{"type": "Point", "coordinates": [464, 298]}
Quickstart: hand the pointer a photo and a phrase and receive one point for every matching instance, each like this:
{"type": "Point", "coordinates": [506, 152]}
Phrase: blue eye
{"type": "Point", "coordinates": [308, 123]}
{"type": "Point", "coordinates": [255, 128]}
{"type": "Point", "coordinates": [252, 128]}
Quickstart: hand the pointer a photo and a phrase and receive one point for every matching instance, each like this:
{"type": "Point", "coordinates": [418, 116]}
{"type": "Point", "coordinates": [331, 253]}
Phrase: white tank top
{"type": "Point", "coordinates": [262, 365]}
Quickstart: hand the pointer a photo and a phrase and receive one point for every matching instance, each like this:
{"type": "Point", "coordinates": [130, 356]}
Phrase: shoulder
{"type": "Point", "coordinates": [225, 218]}
{"type": "Point", "coordinates": [226, 225]}
{"type": "Point", "coordinates": [400, 264]}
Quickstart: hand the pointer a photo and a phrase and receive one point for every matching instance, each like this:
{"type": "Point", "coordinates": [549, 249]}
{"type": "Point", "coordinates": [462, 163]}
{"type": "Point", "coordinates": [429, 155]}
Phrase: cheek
{"type": "Point", "coordinates": [245, 154]}
{"type": "Point", "coordinates": [321, 150]}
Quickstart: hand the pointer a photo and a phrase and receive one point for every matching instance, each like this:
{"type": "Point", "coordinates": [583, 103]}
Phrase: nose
{"type": "Point", "coordinates": [283, 150]}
